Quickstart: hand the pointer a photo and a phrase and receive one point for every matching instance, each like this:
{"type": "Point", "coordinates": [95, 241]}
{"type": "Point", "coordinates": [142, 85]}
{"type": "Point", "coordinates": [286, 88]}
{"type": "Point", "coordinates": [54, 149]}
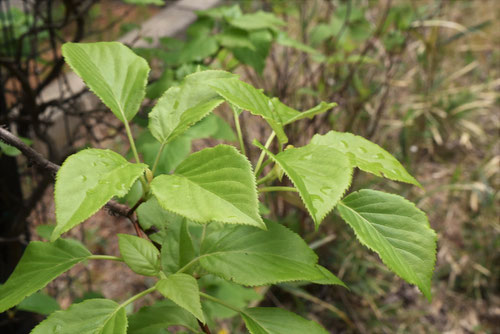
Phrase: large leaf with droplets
{"type": "Point", "coordinates": [183, 290]}
{"type": "Point", "coordinates": [321, 175]}
{"type": "Point", "coordinates": [214, 184]}
{"type": "Point", "coordinates": [86, 181]}
{"type": "Point", "coordinates": [397, 230]}
{"type": "Point", "coordinates": [273, 320]}
{"type": "Point", "coordinates": [93, 316]}
{"type": "Point", "coordinates": [162, 314]}
{"type": "Point", "coordinates": [366, 155]}
{"type": "Point", "coordinates": [183, 105]}
{"type": "Point", "coordinates": [247, 97]}
{"type": "Point", "coordinates": [113, 72]}
{"type": "Point", "coordinates": [139, 254]}
{"type": "Point", "coordinates": [41, 263]}
{"type": "Point", "coordinates": [250, 256]}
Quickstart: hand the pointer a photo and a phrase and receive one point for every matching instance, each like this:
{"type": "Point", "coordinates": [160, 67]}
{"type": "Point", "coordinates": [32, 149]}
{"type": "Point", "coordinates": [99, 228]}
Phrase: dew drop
{"type": "Point", "coordinates": [379, 156]}
{"type": "Point", "coordinates": [344, 143]}
{"type": "Point", "coordinates": [362, 149]}
{"type": "Point", "coordinates": [325, 190]}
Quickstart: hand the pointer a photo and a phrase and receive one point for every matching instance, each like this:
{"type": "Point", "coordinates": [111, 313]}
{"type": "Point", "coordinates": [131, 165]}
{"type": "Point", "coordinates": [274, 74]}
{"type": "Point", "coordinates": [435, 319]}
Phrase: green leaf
{"type": "Point", "coordinates": [163, 314]}
{"type": "Point", "coordinates": [321, 175]}
{"type": "Point", "coordinates": [214, 184]}
{"type": "Point", "coordinates": [235, 38]}
{"type": "Point", "coordinates": [261, 40]}
{"type": "Point", "coordinates": [286, 40]}
{"type": "Point", "coordinates": [11, 150]}
{"type": "Point", "coordinates": [39, 303]}
{"type": "Point", "coordinates": [367, 156]}
{"type": "Point", "coordinates": [250, 256]}
{"type": "Point", "coordinates": [247, 97]}
{"type": "Point", "coordinates": [183, 290]}
{"type": "Point", "coordinates": [86, 181]}
{"type": "Point", "coordinates": [289, 115]}
{"type": "Point", "coordinates": [257, 21]}
{"type": "Point", "coordinates": [113, 72]}
{"type": "Point", "coordinates": [182, 106]}
{"type": "Point", "coordinates": [397, 230]}
{"type": "Point", "coordinates": [139, 254]}
{"type": "Point", "coordinates": [93, 316]}
{"type": "Point", "coordinates": [231, 293]}
{"type": "Point", "coordinates": [271, 320]}
{"type": "Point", "coordinates": [150, 214]}
{"type": "Point", "coordinates": [177, 247]}
{"type": "Point", "coordinates": [40, 264]}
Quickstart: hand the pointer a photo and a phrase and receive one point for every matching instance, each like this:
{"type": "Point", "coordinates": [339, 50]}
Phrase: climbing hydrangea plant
{"type": "Point", "coordinates": [205, 215]}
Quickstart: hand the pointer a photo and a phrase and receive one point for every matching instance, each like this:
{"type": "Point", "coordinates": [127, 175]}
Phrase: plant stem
{"type": "Point", "coordinates": [263, 154]}
{"type": "Point", "coordinates": [137, 296]}
{"type": "Point", "coordinates": [238, 130]}
{"type": "Point", "coordinates": [157, 159]}
{"type": "Point", "coordinates": [269, 177]}
{"type": "Point", "coordinates": [136, 156]}
{"type": "Point", "coordinates": [105, 257]}
{"type": "Point", "coordinates": [221, 302]}
{"type": "Point", "coordinates": [189, 264]}
{"type": "Point", "coordinates": [269, 189]}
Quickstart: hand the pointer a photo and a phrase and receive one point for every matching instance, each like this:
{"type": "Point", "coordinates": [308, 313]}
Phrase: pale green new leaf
{"type": "Point", "coordinates": [247, 97]}
{"type": "Point", "coordinates": [214, 184]}
{"type": "Point", "coordinates": [321, 175]}
{"type": "Point", "coordinates": [163, 314]}
{"type": "Point", "coordinates": [139, 254]}
{"type": "Point", "coordinates": [40, 264]}
{"type": "Point", "coordinates": [272, 320]}
{"type": "Point", "coordinates": [113, 72]}
{"type": "Point", "coordinates": [86, 181]}
{"type": "Point", "coordinates": [93, 316]}
{"type": "Point", "coordinates": [250, 256]}
{"type": "Point", "coordinates": [366, 155]}
{"type": "Point", "coordinates": [183, 290]}
{"type": "Point", "coordinates": [397, 230]}
{"type": "Point", "coordinates": [182, 106]}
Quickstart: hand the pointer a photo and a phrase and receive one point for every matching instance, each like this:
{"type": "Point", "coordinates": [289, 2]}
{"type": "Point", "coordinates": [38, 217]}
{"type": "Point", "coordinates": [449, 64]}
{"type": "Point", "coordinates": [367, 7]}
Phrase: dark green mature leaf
{"type": "Point", "coordinates": [397, 230]}
{"type": "Point", "coordinates": [257, 21]}
{"type": "Point", "coordinates": [214, 184]}
{"type": "Point", "coordinates": [250, 256]}
{"type": "Point", "coordinates": [261, 40]}
{"type": "Point", "coordinates": [235, 38]}
{"type": "Point", "coordinates": [93, 316]}
{"type": "Point", "coordinates": [39, 303]}
{"type": "Point", "coordinates": [113, 72]}
{"type": "Point", "coordinates": [183, 290]}
{"type": "Point", "coordinates": [177, 247]}
{"type": "Point", "coordinates": [246, 97]}
{"type": "Point", "coordinates": [321, 175]}
{"type": "Point", "coordinates": [150, 214]}
{"type": "Point", "coordinates": [182, 106]}
{"type": "Point", "coordinates": [86, 181]}
{"type": "Point", "coordinates": [272, 320]}
{"type": "Point", "coordinates": [163, 314]}
{"type": "Point", "coordinates": [231, 293]}
{"type": "Point", "coordinates": [40, 264]}
{"type": "Point", "coordinates": [366, 155]}
{"type": "Point", "coordinates": [139, 254]}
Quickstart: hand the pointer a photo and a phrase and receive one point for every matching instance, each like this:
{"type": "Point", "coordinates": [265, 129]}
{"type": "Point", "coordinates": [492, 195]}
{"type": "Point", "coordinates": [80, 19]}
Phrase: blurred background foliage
{"type": "Point", "coordinates": [419, 77]}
